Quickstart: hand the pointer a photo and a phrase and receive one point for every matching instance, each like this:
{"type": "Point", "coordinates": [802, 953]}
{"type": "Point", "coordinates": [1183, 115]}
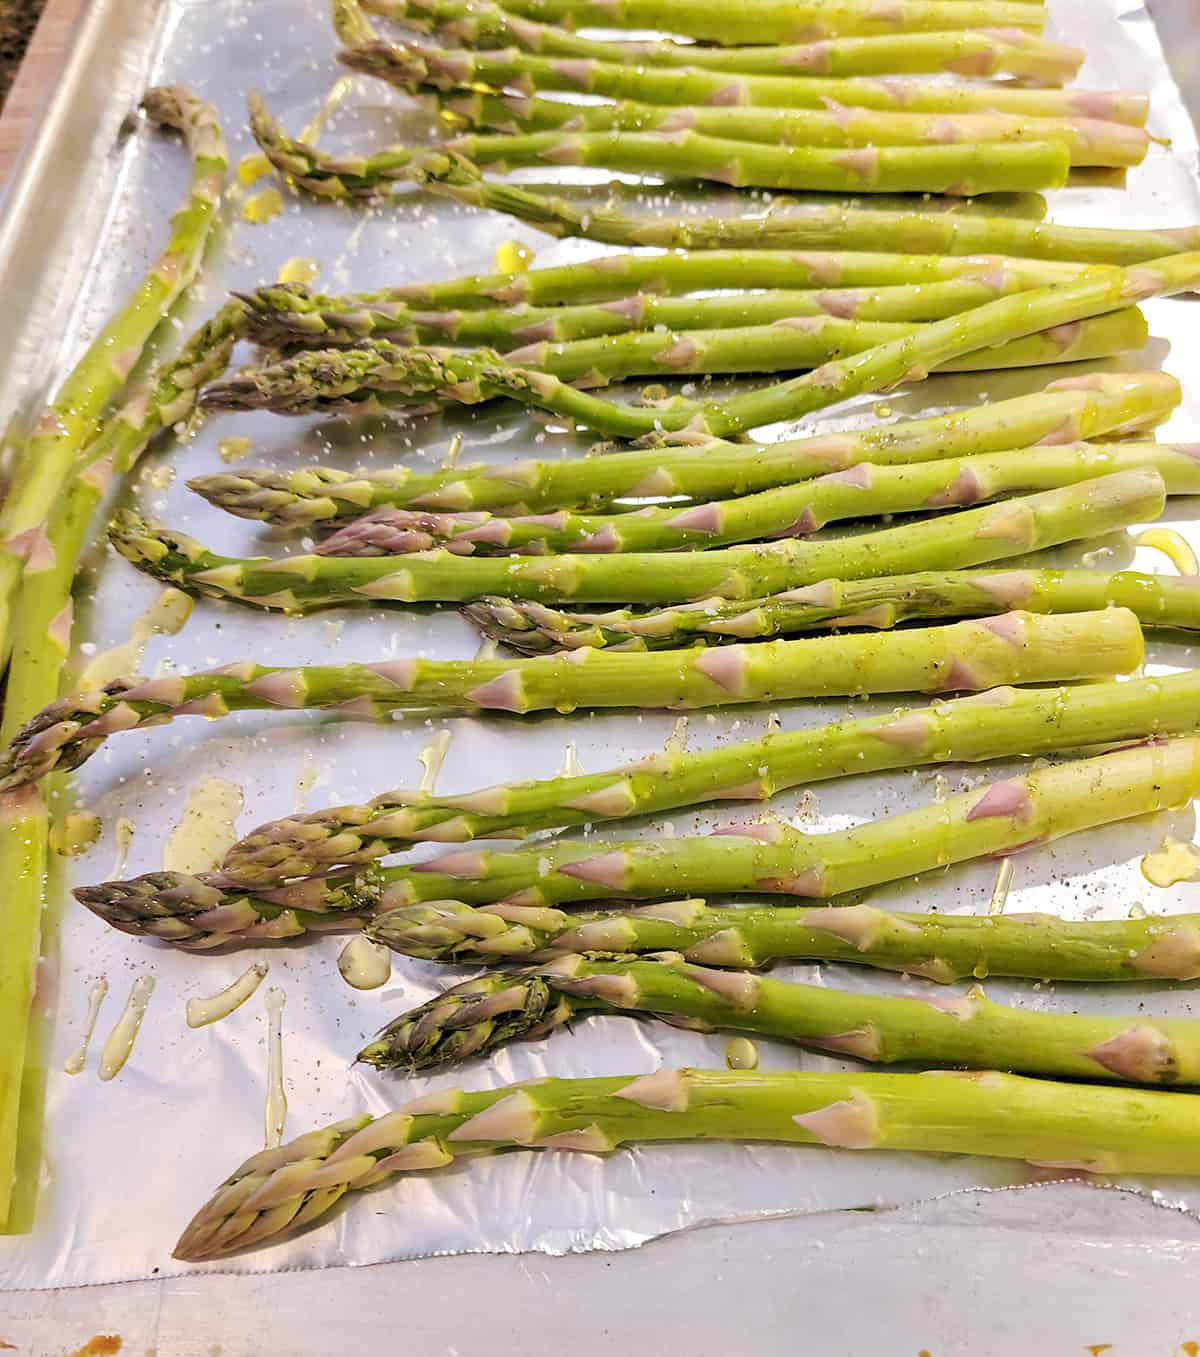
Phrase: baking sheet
{"type": "Point", "coordinates": [127, 1162]}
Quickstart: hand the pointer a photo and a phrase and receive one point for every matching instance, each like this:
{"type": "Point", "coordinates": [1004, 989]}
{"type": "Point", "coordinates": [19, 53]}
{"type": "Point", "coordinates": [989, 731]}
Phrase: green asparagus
{"type": "Point", "coordinates": [297, 584]}
{"type": "Point", "coordinates": [534, 629]}
{"type": "Point", "coordinates": [1019, 648]}
{"type": "Point", "coordinates": [39, 549]}
{"type": "Point", "coordinates": [1010, 722]}
{"type": "Point", "coordinates": [940, 947]}
{"type": "Point", "coordinates": [1089, 141]}
{"type": "Point", "coordinates": [387, 375]}
{"type": "Point", "coordinates": [909, 358]}
{"type": "Point", "coordinates": [1101, 1130]}
{"type": "Point", "coordinates": [1075, 408]}
{"type": "Point", "coordinates": [979, 53]}
{"type": "Point", "coordinates": [414, 68]}
{"type": "Point", "coordinates": [484, 1014]}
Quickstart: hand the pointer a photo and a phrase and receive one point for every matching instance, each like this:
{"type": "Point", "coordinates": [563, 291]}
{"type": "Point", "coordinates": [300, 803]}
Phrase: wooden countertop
{"type": "Point", "coordinates": [36, 78]}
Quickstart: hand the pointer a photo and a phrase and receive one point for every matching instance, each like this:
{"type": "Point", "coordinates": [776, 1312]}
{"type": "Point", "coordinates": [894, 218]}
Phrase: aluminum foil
{"type": "Point", "coordinates": [127, 1161]}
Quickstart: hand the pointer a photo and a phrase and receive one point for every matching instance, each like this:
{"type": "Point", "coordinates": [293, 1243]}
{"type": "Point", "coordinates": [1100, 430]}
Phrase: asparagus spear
{"type": "Point", "coordinates": [388, 375]}
{"type": "Point", "coordinates": [979, 53]}
{"type": "Point", "coordinates": [534, 629]}
{"type": "Point", "coordinates": [1011, 722]}
{"type": "Point", "coordinates": [414, 68]}
{"type": "Point", "coordinates": [908, 358]}
{"type": "Point", "coordinates": [813, 227]}
{"type": "Point", "coordinates": [298, 584]}
{"type": "Point", "coordinates": [1077, 407]}
{"type": "Point", "coordinates": [506, 327]}
{"type": "Point", "coordinates": [791, 510]}
{"type": "Point", "coordinates": [955, 168]}
{"type": "Point", "coordinates": [784, 20]}
{"type": "Point", "coordinates": [38, 555]}
{"type": "Point", "coordinates": [1107, 1130]}
{"type": "Point", "coordinates": [1020, 648]}
{"type": "Point", "coordinates": [1089, 141]}
{"type": "Point", "coordinates": [481, 1015]}
{"type": "Point", "coordinates": [940, 947]}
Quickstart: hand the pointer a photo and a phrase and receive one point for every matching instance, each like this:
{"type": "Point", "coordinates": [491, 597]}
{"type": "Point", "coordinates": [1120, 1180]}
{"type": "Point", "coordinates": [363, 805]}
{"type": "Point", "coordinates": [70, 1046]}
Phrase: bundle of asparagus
{"type": "Point", "coordinates": [761, 858]}
{"type": "Point", "coordinates": [76, 449]}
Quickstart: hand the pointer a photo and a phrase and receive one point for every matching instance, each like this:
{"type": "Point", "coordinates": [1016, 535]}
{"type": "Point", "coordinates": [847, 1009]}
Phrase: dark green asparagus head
{"type": "Point", "coordinates": [470, 1019]}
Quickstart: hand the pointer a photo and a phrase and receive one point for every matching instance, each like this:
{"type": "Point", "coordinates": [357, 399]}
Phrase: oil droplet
{"type": "Point", "coordinates": [1000, 889]}
{"type": "Point", "coordinates": [275, 1113]}
{"type": "Point", "coordinates": [234, 448]}
{"type": "Point", "coordinates": [119, 1046]}
{"type": "Point", "coordinates": [160, 477]}
{"type": "Point", "coordinates": [252, 168]}
{"type": "Point", "coordinates": [883, 411]}
{"type": "Point", "coordinates": [306, 779]}
{"type": "Point", "coordinates": [201, 1012]}
{"type": "Point", "coordinates": [262, 207]}
{"type": "Point", "coordinates": [677, 740]}
{"type": "Point", "coordinates": [1172, 546]}
{"type": "Point", "coordinates": [453, 453]}
{"type": "Point", "coordinates": [1171, 863]}
{"type": "Point", "coordinates": [205, 832]}
{"type": "Point", "coordinates": [75, 833]}
{"type": "Point", "coordinates": [299, 269]}
{"type": "Point", "coordinates": [365, 964]}
{"type": "Point", "coordinates": [123, 834]}
{"type": "Point", "coordinates": [332, 627]}
{"type": "Point", "coordinates": [571, 767]}
{"type": "Point", "coordinates": [431, 759]}
{"type": "Point", "coordinates": [96, 996]}
{"type": "Point", "coordinates": [1138, 911]}
{"type": "Point", "coordinates": [513, 257]}
{"type": "Point", "coordinates": [741, 1054]}
{"type": "Point", "coordinates": [164, 617]}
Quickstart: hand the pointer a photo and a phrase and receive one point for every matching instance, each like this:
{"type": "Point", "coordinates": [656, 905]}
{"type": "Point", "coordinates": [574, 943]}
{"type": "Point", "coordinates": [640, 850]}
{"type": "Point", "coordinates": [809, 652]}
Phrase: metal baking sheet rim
{"type": "Point", "coordinates": [110, 1214]}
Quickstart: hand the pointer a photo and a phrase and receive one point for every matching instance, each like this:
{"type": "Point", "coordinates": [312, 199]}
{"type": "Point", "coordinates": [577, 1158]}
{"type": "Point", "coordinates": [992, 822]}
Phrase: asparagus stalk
{"type": "Point", "coordinates": [1089, 141]}
{"type": "Point", "coordinates": [38, 556]}
{"type": "Point", "coordinates": [1106, 1130]}
{"type": "Point", "coordinates": [298, 584]}
{"type": "Point", "coordinates": [1010, 722]}
{"type": "Point", "coordinates": [308, 315]}
{"type": "Point", "coordinates": [967, 655]}
{"type": "Point", "coordinates": [1074, 408]}
{"type": "Point", "coordinates": [387, 375]}
{"type": "Point", "coordinates": [905, 359]}
{"type": "Point", "coordinates": [415, 68]}
{"type": "Point", "coordinates": [807, 228]}
{"type": "Point", "coordinates": [955, 168]}
{"type": "Point", "coordinates": [792, 510]}
{"type": "Point", "coordinates": [510, 326]}
{"type": "Point", "coordinates": [68, 421]}
{"type": "Point", "coordinates": [784, 20]}
{"type": "Point", "coordinates": [482, 1015]}
{"type": "Point", "coordinates": [940, 947]}
{"type": "Point", "coordinates": [979, 53]}
{"type": "Point", "coordinates": [534, 629]}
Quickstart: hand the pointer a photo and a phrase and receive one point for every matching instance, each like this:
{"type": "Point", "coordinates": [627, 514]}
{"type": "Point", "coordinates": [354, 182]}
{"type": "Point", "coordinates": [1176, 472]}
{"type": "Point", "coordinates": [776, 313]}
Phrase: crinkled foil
{"type": "Point", "coordinates": [127, 1162]}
